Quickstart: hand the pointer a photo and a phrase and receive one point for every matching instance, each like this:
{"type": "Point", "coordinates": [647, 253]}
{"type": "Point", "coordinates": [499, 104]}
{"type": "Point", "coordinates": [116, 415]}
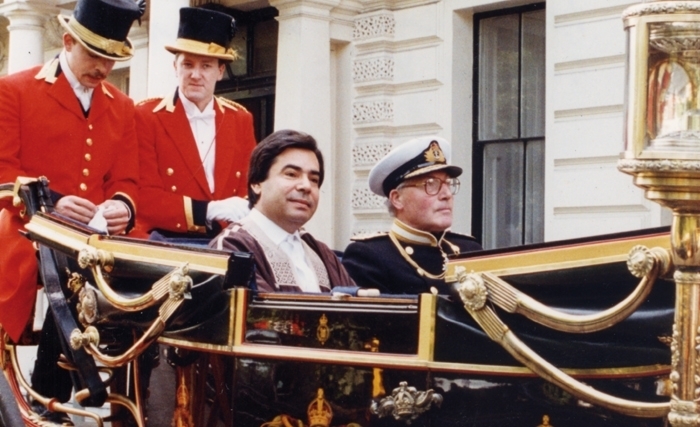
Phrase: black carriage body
{"type": "Point", "coordinates": [244, 358]}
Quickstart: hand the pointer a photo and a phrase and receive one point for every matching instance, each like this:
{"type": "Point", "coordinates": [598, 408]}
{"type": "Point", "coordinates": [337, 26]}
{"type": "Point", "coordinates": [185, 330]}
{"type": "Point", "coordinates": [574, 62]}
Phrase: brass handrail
{"type": "Point", "coordinates": [499, 332]}
{"type": "Point", "coordinates": [89, 340]}
{"type": "Point", "coordinates": [51, 403]}
{"type": "Point", "coordinates": [644, 263]}
{"type": "Point", "coordinates": [97, 260]}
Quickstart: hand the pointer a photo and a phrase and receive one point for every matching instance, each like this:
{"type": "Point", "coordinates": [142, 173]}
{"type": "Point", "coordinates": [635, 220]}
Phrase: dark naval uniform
{"type": "Point", "coordinates": [404, 260]}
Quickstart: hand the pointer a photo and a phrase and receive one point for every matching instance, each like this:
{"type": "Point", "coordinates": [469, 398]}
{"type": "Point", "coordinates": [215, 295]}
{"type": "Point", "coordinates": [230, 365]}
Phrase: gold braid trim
{"type": "Point", "coordinates": [197, 46]}
{"type": "Point", "coordinates": [110, 46]}
{"type": "Point", "coordinates": [407, 257]}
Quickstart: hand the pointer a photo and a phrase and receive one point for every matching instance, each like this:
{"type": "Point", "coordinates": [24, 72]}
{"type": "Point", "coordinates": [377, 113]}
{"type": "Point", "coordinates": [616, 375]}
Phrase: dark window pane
{"type": "Point", "coordinates": [534, 192]}
{"type": "Point", "coordinates": [498, 77]}
{"type": "Point", "coordinates": [265, 47]}
{"type": "Point", "coordinates": [533, 74]}
{"type": "Point", "coordinates": [503, 195]}
{"type": "Point", "coordinates": [239, 67]}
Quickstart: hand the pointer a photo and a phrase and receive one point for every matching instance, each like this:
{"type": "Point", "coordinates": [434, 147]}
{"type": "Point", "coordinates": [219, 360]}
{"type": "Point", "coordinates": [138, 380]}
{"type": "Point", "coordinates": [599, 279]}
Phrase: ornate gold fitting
{"type": "Point", "coordinates": [92, 257]}
{"type": "Point", "coordinates": [640, 261]}
{"type": "Point", "coordinates": [180, 284]}
{"type": "Point", "coordinates": [472, 290]}
{"type": "Point", "coordinates": [76, 281]}
{"type": "Point", "coordinates": [683, 412]}
{"type": "Point", "coordinates": [319, 411]}
{"type": "Point", "coordinates": [87, 307]}
{"type": "Point", "coordinates": [322, 331]}
{"type": "Point", "coordinates": [83, 339]}
{"type": "Point", "coordinates": [406, 403]}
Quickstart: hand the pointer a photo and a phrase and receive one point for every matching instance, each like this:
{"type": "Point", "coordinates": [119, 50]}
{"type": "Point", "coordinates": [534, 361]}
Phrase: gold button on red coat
{"type": "Point", "coordinates": [90, 127]}
{"type": "Point", "coordinates": [83, 187]}
{"type": "Point", "coordinates": [88, 157]}
{"type": "Point", "coordinates": [238, 174]}
{"type": "Point", "coordinates": [86, 172]}
{"type": "Point", "coordinates": [178, 226]}
{"type": "Point", "coordinates": [89, 142]}
{"type": "Point", "coordinates": [170, 171]}
{"type": "Point", "coordinates": [174, 188]}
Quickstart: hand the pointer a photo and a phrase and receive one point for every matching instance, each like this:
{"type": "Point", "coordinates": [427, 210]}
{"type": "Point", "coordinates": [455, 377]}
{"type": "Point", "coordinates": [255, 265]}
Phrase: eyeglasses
{"type": "Point", "coordinates": [432, 186]}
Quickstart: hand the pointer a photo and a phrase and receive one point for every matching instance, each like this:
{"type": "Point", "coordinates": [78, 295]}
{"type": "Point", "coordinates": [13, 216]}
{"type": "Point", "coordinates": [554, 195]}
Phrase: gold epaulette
{"type": "Point", "coordinates": [227, 103]}
{"type": "Point", "coordinates": [368, 236]}
{"type": "Point", "coordinates": [147, 100]}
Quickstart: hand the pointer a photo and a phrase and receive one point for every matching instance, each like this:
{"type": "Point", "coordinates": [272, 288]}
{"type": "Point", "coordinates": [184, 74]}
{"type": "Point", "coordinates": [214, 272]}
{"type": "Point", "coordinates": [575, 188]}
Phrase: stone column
{"type": "Point", "coordinates": [303, 89]}
{"type": "Point", "coordinates": [27, 20]}
{"type": "Point", "coordinates": [162, 30]}
{"type": "Point", "coordinates": [138, 67]}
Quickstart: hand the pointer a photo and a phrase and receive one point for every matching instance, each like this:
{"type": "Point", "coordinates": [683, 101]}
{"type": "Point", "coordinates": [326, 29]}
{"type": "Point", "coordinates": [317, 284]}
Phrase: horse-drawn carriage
{"type": "Point", "coordinates": [558, 334]}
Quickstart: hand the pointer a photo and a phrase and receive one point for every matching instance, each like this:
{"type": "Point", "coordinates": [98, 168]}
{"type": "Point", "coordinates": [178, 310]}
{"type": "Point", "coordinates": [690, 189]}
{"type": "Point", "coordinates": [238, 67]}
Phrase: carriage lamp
{"type": "Point", "coordinates": [662, 152]}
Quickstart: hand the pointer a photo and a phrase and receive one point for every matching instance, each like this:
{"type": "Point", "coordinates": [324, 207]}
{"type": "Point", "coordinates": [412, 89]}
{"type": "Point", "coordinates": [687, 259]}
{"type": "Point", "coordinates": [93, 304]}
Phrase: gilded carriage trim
{"type": "Point", "coordinates": [557, 258]}
{"type": "Point", "coordinates": [49, 232]}
{"type": "Point", "coordinates": [287, 298]}
{"type": "Point", "coordinates": [141, 251]}
{"type": "Point", "coordinates": [499, 332]}
{"type": "Point", "coordinates": [17, 378]}
{"type": "Point", "coordinates": [239, 315]}
{"type": "Point", "coordinates": [426, 327]}
{"type": "Point", "coordinates": [474, 288]}
{"type": "Point", "coordinates": [232, 314]}
{"type": "Point", "coordinates": [391, 360]}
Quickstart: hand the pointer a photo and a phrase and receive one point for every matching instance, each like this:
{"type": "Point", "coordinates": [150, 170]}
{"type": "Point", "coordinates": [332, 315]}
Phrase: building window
{"type": "Point", "coordinates": [250, 80]}
{"type": "Point", "coordinates": [509, 88]}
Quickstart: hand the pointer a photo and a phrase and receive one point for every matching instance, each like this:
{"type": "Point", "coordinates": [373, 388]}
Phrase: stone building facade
{"type": "Point", "coordinates": [363, 76]}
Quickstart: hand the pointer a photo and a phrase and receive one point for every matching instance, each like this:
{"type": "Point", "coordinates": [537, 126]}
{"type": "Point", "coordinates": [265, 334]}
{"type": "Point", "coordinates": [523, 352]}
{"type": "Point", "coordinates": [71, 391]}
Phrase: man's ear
{"type": "Point", "coordinates": [68, 42]}
{"type": "Point", "coordinates": [395, 199]}
{"type": "Point", "coordinates": [256, 188]}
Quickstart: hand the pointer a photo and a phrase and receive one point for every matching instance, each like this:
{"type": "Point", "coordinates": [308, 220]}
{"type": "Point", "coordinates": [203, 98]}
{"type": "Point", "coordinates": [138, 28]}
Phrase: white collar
{"type": "Point", "coordinates": [191, 108]}
{"type": "Point", "coordinates": [415, 236]}
{"type": "Point", "coordinates": [273, 231]}
{"type": "Point", "coordinates": [72, 79]}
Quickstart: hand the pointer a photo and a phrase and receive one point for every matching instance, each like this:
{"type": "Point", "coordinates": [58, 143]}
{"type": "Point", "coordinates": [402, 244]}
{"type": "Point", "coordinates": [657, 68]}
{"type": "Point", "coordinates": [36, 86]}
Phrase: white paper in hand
{"type": "Point", "coordinates": [98, 222]}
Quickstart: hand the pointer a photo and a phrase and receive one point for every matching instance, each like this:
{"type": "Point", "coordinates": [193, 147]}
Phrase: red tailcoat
{"type": "Point", "coordinates": [43, 131]}
{"type": "Point", "coordinates": [173, 190]}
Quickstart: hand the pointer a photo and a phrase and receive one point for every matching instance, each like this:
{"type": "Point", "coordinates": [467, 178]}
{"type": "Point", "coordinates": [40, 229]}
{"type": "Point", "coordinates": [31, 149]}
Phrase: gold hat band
{"type": "Point", "coordinates": [112, 47]}
{"type": "Point", "coordinates": [204, 48]}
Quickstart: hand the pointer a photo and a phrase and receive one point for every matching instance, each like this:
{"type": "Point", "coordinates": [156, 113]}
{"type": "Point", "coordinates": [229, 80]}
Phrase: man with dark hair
{"type": "Point", "coordinates": [194, 146]}
{"type": "Point", "coordinates": [284, 179]}
{"type": "Point", "coordinates": [419, 183]}
{"type": "Point", "coordinates": [65, 122]}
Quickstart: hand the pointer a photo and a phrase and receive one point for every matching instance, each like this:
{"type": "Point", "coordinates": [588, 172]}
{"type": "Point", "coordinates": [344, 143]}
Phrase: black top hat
{"type": "Point", "coordinates": [101, 26]}
{"type": "Point", "coordinates": [205, 32]}
{"type": "Point", "coordinates": [413, 158]}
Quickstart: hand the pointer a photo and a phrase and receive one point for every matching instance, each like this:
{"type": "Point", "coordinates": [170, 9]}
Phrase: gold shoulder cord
{"type": "Point", "coordinates": [408, 259]}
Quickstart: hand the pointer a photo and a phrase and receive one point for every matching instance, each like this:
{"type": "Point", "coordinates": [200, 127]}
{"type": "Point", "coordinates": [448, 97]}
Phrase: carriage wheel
{"type": "Point", "coordinates": [9, 411]}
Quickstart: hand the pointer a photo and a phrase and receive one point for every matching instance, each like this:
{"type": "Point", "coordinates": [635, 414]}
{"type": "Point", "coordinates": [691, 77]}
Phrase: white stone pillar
{"type": "Point", "coordinates": [26, 32]}
{"type": "Point", "coordinates": [303, 90]}
{"type": "Point", "coordinates": [138, 67]}
{"type": "Point", "coordinates": [162, 29]}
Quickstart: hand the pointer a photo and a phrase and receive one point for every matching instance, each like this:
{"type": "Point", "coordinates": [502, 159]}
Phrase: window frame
{"type": "Point", "coordinates": [478, 145]}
